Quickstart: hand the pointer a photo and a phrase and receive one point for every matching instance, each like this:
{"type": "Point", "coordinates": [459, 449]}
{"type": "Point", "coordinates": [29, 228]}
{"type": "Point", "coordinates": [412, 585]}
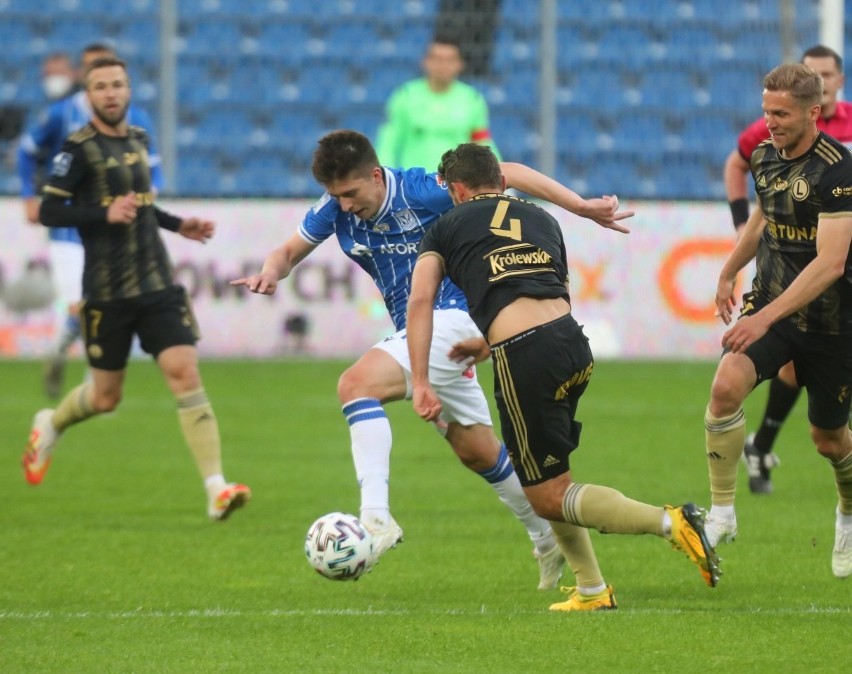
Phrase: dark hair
{"type": "Point", "coordinates": [57, 56]}
{"type": "Point", "coordinates": [341, 153]}
{"type": "Point", "coordinates": [820, 51]}
{"type": "Point", "coordinates": [800, 80]}
{"type": "Point", "coordinates": [443, 38]}
{"type": "Point", "coordinates": [104, 62]}
{"type": "Point", "coordinates": [473, 165]}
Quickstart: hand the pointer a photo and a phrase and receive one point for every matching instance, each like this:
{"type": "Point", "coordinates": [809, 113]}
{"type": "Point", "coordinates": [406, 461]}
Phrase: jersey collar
{"type": "Point", "coordinates": [391, 187]}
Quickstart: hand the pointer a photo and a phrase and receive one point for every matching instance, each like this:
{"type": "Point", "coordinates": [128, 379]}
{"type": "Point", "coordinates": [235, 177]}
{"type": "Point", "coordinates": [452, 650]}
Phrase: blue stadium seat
{"type": "Point", "coordinates": [105, 8]}
{"type": "Point", "coordinates": [195, 168]}
{"type": "Point", "coordinates": [71, 36]}
{"type": "Point", "coordinates": [260, 174]}
{"type": "Point", "coordinates": [576, 44]}
{"type": "Point", "coordinates": [592, 13]}
{"type": "Point", "coordinates": [138, 40]}
{"type": "Point", "coordinates": [603, 88]}
{"type": "Point", "coordinates": [366, 120]}
{"type": "Point", "coordinates": [286, 40]}
{"type": "Point", "coordinates": [514, 132]}
{"type": "Point", "coordinates": [689, 176]}
{"type": "Point", "coordinates": [516, 46]}
{"type": "Point", "coordinates": [520, 13]}
{"type": "Point", "coordinates": [737, 86]}
{"type": "Point", "coordinates": [210, 36]}
{"type": "Point", "coordinates": [618, 173]}
{"type": "Point", "coordinates": [224, 128]}
{"type": "Point", "coordinates": [640, 133]}
{"type": "Point", "coordinates": [692, 44]}
{"type": "Point", "coordinates": [713, 133]}
{"type": "Point", "coordinates": [627, 43]}
{"type": "Point", "coordinates": [218, 8]}
{"type": "Point", "coordinates": [577, 132]}
{"type": "Point", "coordinates": [671, 87]}
{"type": "Point", "coordinates": [297, 130]}
{"type": "Point", "coordinates": [16, 35]}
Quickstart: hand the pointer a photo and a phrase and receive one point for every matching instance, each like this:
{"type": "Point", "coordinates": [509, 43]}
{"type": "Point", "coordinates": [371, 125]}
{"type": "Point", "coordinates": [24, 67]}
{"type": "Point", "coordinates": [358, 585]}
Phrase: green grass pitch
{"type": "Point", "coordinates": [112, 566]}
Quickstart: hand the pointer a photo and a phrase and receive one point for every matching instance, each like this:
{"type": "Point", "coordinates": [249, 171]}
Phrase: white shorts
{"type": "Point", "coordinates": [455, 383]}
{"type": "Point", "coordinates": [66, 264]}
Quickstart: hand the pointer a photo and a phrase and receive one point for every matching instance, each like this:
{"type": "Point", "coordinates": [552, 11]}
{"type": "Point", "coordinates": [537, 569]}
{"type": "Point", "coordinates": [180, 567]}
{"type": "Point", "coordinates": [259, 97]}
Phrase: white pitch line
{"type": "Point", "coordinates": [368, 612]}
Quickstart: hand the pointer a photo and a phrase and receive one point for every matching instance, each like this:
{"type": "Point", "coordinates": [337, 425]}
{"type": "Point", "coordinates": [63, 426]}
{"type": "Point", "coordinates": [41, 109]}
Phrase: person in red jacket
{"type": "Point", "coordinates": [836, 120]}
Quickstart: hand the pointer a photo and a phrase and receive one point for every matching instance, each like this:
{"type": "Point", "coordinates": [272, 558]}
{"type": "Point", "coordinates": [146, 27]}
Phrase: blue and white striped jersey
{"type": "Point", "coordinates": [386, 246]}
{"type": "Point", "coordinates": [46, 137]}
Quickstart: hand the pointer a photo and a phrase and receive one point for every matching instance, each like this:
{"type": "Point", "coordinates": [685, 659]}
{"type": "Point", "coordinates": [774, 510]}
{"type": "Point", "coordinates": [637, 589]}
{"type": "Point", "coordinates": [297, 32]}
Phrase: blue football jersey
{"type": "Point", "coordinates": [386, 247]}
{"type": "Point", "coordinates": [45, 139]}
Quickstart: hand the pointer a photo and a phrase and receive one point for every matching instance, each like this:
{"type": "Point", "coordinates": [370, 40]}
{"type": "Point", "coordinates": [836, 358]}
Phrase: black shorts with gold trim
{"type": "Point", "coordinates": [161, 319]}
{"type": "Point", "coordinates": [539, 377]}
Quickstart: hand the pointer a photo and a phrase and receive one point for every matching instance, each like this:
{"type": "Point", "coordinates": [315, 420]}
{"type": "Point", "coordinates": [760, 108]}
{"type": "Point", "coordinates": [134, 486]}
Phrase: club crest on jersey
{"type": "Point", "coordinates": [61, 165]}
{"type": "Point", "coordinates": [801, 189]}
{"type": "Point", "coordinates": [406, 220]}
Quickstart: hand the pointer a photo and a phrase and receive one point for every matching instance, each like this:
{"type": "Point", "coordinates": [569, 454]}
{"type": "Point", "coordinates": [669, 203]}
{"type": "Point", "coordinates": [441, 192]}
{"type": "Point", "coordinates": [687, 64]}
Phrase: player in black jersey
{"type": "Point", "coordinates": [102, 181]}
{"type": "Point", "coordinates": [508, 256]}
{"type": "Point", "coordinates": [800, 304]}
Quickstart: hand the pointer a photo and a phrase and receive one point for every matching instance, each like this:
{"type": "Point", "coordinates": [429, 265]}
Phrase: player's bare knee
{"type": "Point", "coordinates": [547, 507]}
{"type": "Point", "coordinates": [106, 401]}
{"type": "Point", "coordinates": [833, 445]}
{"type": "Point", "coordinates": [351, 386]}
{"type": "Point", "coordinates": [476, 446]}
{"type": "Point", "coordinates": [725, 397]}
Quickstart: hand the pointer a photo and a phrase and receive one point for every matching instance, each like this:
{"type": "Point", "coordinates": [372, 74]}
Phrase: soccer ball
{"type": "Point", "coordinates": [339, 547]}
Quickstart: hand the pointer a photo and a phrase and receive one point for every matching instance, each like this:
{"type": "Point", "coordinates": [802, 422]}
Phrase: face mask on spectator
{"type": "Point", "coordinates": [56, 86]}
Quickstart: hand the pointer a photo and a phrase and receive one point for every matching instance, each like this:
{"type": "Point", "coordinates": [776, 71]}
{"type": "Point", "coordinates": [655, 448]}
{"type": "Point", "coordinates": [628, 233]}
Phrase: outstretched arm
{"type": "Point", "coordinates": [603, 210]}
{"type": "Point", "coordinates": [278, 265]}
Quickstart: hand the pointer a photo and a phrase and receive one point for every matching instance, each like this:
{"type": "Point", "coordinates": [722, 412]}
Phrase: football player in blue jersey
{"type": "Point", "coordinates": [379, 215]}
{"type": "Point", "coordinates": [38, 146]}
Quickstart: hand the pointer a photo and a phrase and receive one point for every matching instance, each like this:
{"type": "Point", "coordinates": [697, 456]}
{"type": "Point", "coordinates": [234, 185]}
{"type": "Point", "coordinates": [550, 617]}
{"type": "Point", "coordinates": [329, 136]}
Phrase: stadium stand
{"type": "Point", "coordinates": [639, 82]}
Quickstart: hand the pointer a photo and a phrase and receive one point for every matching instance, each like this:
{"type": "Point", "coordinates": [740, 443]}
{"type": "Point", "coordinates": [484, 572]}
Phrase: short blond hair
{"type": "Point", "coordinates": [804, 83]}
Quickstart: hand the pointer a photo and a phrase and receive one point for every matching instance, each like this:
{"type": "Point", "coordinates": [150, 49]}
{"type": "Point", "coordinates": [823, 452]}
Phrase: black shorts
{"type": "Point", "coordinates": [161, 319]}
{"type": "Point", "coordinates": [823, 366]}
{"type": "Point", "coordinates": [539, 377]}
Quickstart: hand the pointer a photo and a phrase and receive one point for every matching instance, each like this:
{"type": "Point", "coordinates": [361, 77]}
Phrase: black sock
{"type": "Point", "coordinates": [781, 400]}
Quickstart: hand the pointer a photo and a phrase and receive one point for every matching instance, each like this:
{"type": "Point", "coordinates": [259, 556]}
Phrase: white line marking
{"type": "Point", "coordinates": [365, 612]}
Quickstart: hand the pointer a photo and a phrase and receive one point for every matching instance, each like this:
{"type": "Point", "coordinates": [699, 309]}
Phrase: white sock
{"type": "Point", "coordinates": [724, 512]}
{"type": "Point", "coordinates": [844, 521]}
{"type": "Point", "coordinates": [214, 485]}
{"type": "Point", "coordinates": [589, 591]}
{"type": "Point", "coordinates": [370, 432]}
{"type": "Point", "coordinates": [667, 524]}
{"type": "Point", "coordinates": [505, 482]}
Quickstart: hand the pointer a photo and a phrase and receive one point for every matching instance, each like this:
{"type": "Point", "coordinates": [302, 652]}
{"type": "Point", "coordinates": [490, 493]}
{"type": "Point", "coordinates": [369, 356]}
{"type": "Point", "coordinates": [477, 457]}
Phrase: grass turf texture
{"type": "Point", "coordinates": [112, 566]}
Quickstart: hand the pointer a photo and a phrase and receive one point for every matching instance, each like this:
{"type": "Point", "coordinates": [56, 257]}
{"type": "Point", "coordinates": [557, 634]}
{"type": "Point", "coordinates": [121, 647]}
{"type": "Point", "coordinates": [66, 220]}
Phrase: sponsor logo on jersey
{"type": "Point", "coordinates": [360, 250]}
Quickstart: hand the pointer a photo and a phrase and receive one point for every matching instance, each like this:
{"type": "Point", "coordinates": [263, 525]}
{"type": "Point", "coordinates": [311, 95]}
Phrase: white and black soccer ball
{"type": "Point", "coordinates": [338, 546]}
